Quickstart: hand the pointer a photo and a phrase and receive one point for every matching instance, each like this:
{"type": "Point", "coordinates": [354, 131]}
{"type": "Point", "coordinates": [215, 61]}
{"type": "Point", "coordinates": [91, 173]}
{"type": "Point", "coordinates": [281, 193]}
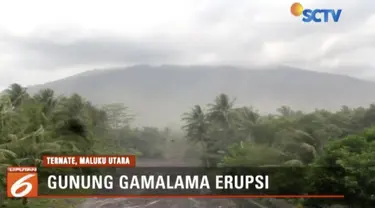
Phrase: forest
{"type": "Point", "coordinates": [220, 133]}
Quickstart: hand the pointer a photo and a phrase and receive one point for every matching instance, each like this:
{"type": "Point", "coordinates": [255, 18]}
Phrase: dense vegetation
{"type": "Point", "coordinates": [341, 145]}
{"type": "Point", "coordinates": [224, 135]}
{"type": "Point", "coordinates": [31, 126]}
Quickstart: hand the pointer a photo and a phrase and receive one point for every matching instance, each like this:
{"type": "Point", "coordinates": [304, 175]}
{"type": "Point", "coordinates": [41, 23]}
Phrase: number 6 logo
{"type": "Point", "coordinates": [22, 182]}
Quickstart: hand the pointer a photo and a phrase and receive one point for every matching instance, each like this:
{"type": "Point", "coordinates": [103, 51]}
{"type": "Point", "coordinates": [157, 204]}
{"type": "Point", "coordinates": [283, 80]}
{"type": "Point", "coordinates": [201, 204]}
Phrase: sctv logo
{"type": "Point", "coordinates": [315, 15]}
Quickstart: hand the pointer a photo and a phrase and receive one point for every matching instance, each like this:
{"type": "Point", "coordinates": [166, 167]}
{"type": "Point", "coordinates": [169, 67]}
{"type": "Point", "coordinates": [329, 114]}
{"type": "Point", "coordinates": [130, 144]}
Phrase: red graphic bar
{"type": "Point", "coordinates": [98, 161]}
{"type": "Point", "coordinates": [197, 196]}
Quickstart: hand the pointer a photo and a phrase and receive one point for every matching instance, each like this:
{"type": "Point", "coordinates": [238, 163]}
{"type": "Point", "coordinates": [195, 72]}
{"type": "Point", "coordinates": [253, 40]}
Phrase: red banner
{"type": "Point", "coordinates": [120, 161]}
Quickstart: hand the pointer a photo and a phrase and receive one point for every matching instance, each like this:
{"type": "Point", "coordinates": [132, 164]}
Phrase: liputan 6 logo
{"type": "Point", "coordinates": [22, 182]}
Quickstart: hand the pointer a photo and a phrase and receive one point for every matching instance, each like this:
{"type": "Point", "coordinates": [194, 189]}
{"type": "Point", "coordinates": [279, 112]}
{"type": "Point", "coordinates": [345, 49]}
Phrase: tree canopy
{"type": "Point", "coordinates": [35, 125]}
{"type": "Point", "coordinates": [336, 147]}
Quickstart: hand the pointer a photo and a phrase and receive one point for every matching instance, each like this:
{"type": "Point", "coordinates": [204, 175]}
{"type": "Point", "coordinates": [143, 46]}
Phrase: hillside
{"type": "Point", "coordinates": [159, 95]}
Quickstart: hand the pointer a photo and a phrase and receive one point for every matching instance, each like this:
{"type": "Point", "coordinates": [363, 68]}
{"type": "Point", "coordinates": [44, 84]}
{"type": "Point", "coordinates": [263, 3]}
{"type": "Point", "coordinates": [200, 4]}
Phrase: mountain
{"type": "Point", "coordinates": [158, 95]}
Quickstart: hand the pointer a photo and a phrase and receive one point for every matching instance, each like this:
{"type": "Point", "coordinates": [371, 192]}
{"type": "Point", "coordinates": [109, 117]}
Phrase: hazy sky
{"type": "Point", "coordinates": [43, 40]}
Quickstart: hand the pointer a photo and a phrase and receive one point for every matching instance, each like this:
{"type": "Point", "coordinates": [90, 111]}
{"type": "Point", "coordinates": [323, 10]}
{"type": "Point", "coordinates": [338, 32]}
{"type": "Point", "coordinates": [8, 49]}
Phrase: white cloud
{"type": "Point", "coordinates": [43, 40]}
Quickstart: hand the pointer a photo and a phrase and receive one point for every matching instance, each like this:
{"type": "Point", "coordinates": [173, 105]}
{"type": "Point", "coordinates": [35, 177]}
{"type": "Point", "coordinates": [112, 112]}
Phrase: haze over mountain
{"type": "Point", "coordinates": [158, 95]}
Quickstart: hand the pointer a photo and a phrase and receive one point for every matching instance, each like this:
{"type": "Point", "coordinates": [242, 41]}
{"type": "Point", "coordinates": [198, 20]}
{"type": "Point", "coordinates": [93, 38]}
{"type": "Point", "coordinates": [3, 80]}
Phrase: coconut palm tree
{"type": "Point", "coordinates": [16, 94]}
{"type": "Point", "coordinates": [196, 125]}
{"type": "Point", "coordinates": [47, 98]}
{"type": "Point", "coordinates": [247, 121]}
{"type": "Point", "coordinates": [221, 111]}
{"type": "Point", "coordinates": [196, 128]}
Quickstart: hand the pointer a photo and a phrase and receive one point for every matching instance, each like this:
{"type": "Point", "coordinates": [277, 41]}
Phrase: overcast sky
{"type": "Point", "coordinates": [44, 40]}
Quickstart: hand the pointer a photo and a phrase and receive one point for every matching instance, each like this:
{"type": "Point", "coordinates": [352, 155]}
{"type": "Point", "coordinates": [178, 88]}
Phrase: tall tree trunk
{"type": "Point", "coordinates": [2, 198]}
{"type": "Point", "coordinates": [24, 201]}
